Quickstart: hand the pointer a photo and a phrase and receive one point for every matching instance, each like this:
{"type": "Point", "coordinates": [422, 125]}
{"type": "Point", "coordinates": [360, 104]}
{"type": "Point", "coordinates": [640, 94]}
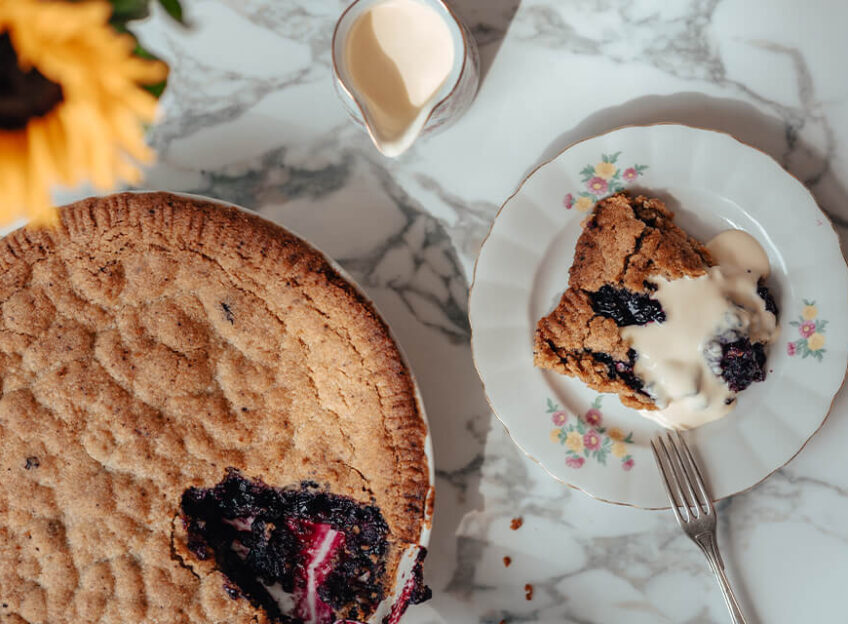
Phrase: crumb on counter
{"type": "Point", "coordinates": [507, 561]}
{"type": "Point", "coordinates": [528, 591]}
{"type": "Point", "coordinates": [516, 523]}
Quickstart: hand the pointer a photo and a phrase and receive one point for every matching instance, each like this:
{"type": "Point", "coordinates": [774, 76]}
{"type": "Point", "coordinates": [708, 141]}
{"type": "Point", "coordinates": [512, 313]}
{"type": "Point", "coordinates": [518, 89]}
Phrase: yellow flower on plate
{"type": "Point", "coordinates": [605, 170]}
{"type": "Point", "coordinates": [555, 435]}
{"type": "Point", "coordinates": [619, 449]}
{"type": "Point", "coordinates": [574, 441]}
{"type": "Point", "coordinates": [584, 204]}
{"type": "Point", "coordinates": [74, 110]}
{"type": "Point", "coordinates": [809, 312]}
{"type": "Point", "coordinates": [615, 433]}
{"type": "Point", "coordinates": [815, 342]}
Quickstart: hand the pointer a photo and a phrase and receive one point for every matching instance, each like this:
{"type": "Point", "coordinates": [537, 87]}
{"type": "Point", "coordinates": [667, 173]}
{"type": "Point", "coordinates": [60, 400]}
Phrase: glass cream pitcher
{"type": "Point", "coordinates": [403, 68]}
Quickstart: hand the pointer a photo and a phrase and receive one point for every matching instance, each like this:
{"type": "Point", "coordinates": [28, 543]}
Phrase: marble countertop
{"type": "Point", "coordinates": [250, 116]}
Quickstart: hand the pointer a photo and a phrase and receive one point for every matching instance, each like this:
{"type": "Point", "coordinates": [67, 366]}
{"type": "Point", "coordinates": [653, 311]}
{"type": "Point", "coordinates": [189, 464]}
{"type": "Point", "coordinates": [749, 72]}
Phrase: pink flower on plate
{"type": "Point", "coordinates": [574, 462]}
{"type": "Point", "coordinates": [807, 329]}
{"type": "Point", "coordinates": [790, 348]}
{"type": "Point", "coordinates": [627, 465]}
{"type": "Point", "coordinates": [597, 185]}
{"type": "Point", "coordinates": [559, 418]}
{"type": "Point", "coordinates": [591, 440]}
{"type": "Point", "coordinates": [593, 416]}
{"type": "Point", "coordinates": [568, 202]}
{"type": "Point", "coordinates": [629, 174]}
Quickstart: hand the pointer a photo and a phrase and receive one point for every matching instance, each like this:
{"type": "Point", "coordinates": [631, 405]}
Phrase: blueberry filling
{"type": "Point", "coordinates": [326, 551]}
{"type": "Point", "coordinates": [617, 369]}
{"type": "Point", "coordinates": [626, 307]}
{"type": "Point", "coordinates": [765, 295]}
{"type": "Point", "coordinates": [742, 363]}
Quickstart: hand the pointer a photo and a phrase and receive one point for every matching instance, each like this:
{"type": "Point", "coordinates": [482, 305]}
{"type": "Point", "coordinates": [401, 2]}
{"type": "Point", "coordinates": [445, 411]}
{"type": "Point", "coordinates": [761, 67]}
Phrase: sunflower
{"type": "Point", "coordinates": [71, 107]}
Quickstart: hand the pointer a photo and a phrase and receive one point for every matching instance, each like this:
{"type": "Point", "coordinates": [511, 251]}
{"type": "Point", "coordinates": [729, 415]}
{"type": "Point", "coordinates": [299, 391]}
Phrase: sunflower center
{"type": "Point", "coordinates": [23, 94]}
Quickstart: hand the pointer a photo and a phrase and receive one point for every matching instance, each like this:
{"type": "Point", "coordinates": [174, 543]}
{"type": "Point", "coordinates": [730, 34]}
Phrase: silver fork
{"type": "Point", "coordinates": [693, 507]}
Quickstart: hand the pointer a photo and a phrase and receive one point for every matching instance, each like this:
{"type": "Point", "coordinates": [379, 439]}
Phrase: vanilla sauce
{"type": "Point", "coordinates": [677, 358]}
{"type": "Point", "coordinates": [398, 54]}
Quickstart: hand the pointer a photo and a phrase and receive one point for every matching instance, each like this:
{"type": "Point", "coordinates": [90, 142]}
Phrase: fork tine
{"type": "Point", "coordinates": [698, 478]}
{"type": "Point", "coordinates": [687, 478]}
{"type": "Point", "coordinates": [668, 479]}
{"type": "Point", "coordinates": [680, 479]}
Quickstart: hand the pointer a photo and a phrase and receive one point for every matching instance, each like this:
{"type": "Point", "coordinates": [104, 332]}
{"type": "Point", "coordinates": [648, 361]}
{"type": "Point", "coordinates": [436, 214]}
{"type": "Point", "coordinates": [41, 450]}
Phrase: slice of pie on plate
{"type": "Point", "coordinates": [659, 318]}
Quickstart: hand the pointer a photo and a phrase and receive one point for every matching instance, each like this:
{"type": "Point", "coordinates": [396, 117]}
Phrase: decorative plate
{"type": "Point", "coordinates": [712, 182]}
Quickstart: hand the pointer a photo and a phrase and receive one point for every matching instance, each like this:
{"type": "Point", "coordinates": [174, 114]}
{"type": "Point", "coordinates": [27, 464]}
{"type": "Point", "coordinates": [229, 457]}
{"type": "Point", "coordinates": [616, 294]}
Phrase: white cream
{"type": "Point", "coordinates": [398, 55]}
{"type": "Point", "coordinates": [675, 356]}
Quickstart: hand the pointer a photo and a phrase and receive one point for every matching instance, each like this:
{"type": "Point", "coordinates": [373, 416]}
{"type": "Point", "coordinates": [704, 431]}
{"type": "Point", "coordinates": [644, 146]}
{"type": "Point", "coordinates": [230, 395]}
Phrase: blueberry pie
{"type": "Point", "coordinates": [201, 421]}
{"type": "Point", "coordinates": [674, 327]}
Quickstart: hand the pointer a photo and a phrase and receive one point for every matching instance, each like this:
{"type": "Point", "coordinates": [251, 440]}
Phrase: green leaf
{"type": "Point", "coordinates": [626, 458]}
{"type": "Point", "coordinates": [820, 325]}
{"type": "Point", "coordinates": [640, 168]}
{"type": "Point", "coordinates": [605, 158]}
{"type": "Point", "coordinates": [629, 438]}
{"type": "Point", "coordinates": [124, 11]}
{"type": "Point", "coordinates": [597, 402]}
{"type": "Point", "coordinates": [809, 303]}
{"type": "Point", "coordinates": [174, 9]}
{"type": "Point", "coordinates": [613, 157]}
{"type": "Point", "coordinates": [586, 452]}
{"type": "Point", "coordinates": [155, 89]}
{"type": "Point", "coordinates": [551, 406]}
{"type": "Point", "coordinates": [602, 459]}
{"type": "Point", "coordinates": [794, 323]}
{"type": "Point", "coordinates": [580, 428]}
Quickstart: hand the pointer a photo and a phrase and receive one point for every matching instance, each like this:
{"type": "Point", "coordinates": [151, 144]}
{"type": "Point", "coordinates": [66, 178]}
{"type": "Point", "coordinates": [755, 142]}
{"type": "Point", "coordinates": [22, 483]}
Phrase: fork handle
{"type": "Point", "coordinates": [709, 546]}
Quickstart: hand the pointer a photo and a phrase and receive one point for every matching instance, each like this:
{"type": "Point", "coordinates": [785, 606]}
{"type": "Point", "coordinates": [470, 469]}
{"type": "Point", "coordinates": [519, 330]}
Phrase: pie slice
{"type": "Point", "coordinates": [201, 421]}
{"type": "Point", "coordinates": [628, 246]}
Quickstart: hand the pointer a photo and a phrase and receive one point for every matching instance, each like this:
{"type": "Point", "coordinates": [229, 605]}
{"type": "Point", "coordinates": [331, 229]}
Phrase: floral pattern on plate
{"type": "Point", "coordinates": [602, 179]}
{"type": "Point", "coordinates": [586, 438]}
{"type": "Point", "coordinates": [811, 329]}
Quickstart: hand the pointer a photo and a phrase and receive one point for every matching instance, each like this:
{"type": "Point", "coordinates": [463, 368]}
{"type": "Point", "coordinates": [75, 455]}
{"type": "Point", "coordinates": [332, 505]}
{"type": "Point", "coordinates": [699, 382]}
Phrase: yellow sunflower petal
{"type": "Point", "coordinates": [96, 130]}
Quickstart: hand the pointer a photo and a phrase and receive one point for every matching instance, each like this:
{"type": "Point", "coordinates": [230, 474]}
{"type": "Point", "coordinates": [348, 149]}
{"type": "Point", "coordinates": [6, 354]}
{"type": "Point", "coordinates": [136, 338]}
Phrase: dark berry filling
{"type": "Point", "coordinates": [617, 369]}
{"type": "Point", "coordinates": [414, 591]}
{"type": "Point", "coordinates": [742, 363]}
{"type": "Point", "coordinates": [765, 295]}
{"type": "Point", "coordinates": [626, 307]}
{"type": "Point", "coordinates": [327, 551]}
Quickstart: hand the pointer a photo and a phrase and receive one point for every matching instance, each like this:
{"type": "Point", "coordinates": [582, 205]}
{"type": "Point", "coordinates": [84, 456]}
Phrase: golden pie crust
{"type": "Point", "coordinates": [148, 343]}
{"type": "Point", "coordinates": [626, 240]}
